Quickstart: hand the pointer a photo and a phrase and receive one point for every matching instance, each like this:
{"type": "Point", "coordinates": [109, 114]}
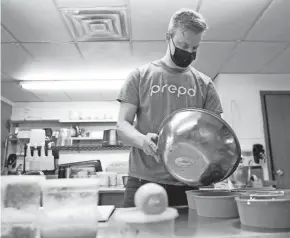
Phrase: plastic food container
{"type": "Point", "coordinates": [216, 204]}
{"type": "Point", "coordinates": [70, 208]}
{"type": "Point", "coordinates": [19, 223]}
{"type": "Point", "coordinates": [21, 192]}
{"type": "Point", "coordinates": [134, 223]}
{"type": "Point", "coordinates": [264, 210]}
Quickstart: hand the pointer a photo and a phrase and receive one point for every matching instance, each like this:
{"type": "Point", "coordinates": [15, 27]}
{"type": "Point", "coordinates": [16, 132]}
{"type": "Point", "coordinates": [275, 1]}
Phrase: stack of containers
{"type": "Point", "coordinates": [70, 208]}
{"type": "Point", "coordinates": [20, 206]}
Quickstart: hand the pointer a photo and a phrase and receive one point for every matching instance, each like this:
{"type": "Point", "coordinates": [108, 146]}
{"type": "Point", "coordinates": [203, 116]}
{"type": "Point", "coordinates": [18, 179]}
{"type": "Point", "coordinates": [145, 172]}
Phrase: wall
{"type": "Point", "coordinates": [240, 95]}
{"type": "Point", "coordinates": [6, 111]}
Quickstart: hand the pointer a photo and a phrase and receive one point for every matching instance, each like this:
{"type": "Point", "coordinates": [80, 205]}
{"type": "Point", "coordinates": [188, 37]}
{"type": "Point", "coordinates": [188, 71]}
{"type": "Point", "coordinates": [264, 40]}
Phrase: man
{"type": "Point", "coordinates": [154, 91]}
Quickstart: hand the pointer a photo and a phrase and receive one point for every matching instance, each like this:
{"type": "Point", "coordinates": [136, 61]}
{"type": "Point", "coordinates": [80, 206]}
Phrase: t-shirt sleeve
{"type": "Point", "coordinates": [129, 92]}
{"type": "Point", "coordinates": [212, 101]}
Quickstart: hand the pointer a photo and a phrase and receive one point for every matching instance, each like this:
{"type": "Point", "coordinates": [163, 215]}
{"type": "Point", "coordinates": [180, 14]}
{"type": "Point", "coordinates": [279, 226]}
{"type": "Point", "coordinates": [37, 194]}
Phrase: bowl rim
{"type": "Point", "coordinates": [200, 110]}
{"type": "Point", "coordinates": [267, 200]}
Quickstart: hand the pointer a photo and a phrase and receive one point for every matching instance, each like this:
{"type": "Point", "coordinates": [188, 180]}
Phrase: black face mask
{"type": "Point", "coordinates": [182, 58]}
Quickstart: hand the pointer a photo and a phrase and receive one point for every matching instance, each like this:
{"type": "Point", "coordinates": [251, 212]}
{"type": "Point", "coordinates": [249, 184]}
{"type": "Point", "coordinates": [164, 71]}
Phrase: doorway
{"type": "Point", "coordinates": [276, 118]}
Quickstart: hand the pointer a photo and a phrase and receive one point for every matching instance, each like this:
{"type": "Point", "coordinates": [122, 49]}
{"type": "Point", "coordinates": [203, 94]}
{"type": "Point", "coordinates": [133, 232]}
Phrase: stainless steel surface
{"type": "Point", "coordinates": [279, 172]}
{"type": "Point", "coordinates": [34, 173]}
{"type": "Point", "coordinates": [197, 147]}
{"type": "Point", "coordinates": [110, 138]}
{"type": "Point", "coordinates": [125, 180]}
{"type": "Point", "coordinates": [67, 172]}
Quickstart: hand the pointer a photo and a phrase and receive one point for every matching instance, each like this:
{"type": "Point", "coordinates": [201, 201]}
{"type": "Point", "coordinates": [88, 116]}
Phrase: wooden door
{"type": "Point", "coordinates": [277, 128]}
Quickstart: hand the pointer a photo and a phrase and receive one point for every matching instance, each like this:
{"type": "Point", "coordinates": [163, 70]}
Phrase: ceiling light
{"type": "Point", "coordinates": [73, 85]}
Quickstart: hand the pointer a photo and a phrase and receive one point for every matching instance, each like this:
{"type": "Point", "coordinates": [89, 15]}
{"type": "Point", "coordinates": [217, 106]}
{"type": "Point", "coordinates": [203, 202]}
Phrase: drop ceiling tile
{"type": "Point", "coordinates": [93, 96]}
{"type": "Point", "coordinates": [30, 21]}
{"type": "Point", "coordinates": [274, 24]}
{"type": "Point", "coordinates": [89, 3]}
{"type": "Point", "coordinates": [51, 96]}
{"type": "Point", "coordinates": [228, 19]}
{"type": "Point", "coordinates": [250, 57]}
{"type": "Point", "coordinates": [279, 65]}
{"type": "Point", "coordinates": [14, 59]}
{"type": "Point", "coordinates": [212, 55]}
{"type": "Point", "coordinates": [150, 19]}
{"type": "Point", "coordinates": [54, 69]}
{"type": "Point", "coordinates": [106, 53]}
{"type": "Point", "coordinates": [145, 52]}
{"type": "Point", "coordinates": [15, 93]}
{"type": "Point", "coordinates": [5, 36]}
{"type": "Point", "coordinates": [53, 51]}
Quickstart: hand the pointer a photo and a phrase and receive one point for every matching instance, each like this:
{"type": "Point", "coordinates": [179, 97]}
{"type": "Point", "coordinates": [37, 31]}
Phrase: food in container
{"type": "Point", "coordinates": [265, 209]}
{"type": "Point", "coordinates": [216, 204]}
{"type": "Point", "coordinates": [20, 211]}
{"type": "Point", "coordinates": [21, 192]}
{"type": "Point", "coordinates": [70, 208]}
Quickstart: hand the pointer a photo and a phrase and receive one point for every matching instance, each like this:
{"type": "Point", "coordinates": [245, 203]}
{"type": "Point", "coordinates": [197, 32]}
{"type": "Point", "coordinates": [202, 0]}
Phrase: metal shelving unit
{"type": "Point", "coordinates": [91, 148]}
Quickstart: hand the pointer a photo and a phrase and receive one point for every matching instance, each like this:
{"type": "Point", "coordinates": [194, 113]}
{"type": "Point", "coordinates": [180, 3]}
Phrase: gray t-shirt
{"type": "Point", "coordinates": [158, 90]}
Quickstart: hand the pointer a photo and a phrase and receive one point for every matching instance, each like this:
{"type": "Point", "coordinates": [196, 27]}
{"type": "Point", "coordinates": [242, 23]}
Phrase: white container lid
{"type": "Point", "coordinates": [73, 183]}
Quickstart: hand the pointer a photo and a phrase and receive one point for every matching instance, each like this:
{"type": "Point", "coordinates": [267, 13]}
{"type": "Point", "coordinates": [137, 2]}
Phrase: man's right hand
{"type": "Point", "coordinates": [149, 146]}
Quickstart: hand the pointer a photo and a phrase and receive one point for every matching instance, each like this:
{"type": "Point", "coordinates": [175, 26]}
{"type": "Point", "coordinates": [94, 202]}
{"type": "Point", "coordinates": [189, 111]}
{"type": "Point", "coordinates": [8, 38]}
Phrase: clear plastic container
{"type": "Point", "coordinates": [70, 208]}
{"type": "Point", "coordinates": [21, 192]}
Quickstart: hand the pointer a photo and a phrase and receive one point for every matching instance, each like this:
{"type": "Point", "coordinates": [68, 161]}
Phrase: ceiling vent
{"type": "Point", "coordinates": [97, 24]}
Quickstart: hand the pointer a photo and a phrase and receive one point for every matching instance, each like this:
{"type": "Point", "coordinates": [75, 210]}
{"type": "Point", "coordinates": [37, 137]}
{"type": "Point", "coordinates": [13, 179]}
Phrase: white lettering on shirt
{"type": "Point", "coordinates": [180, 91]}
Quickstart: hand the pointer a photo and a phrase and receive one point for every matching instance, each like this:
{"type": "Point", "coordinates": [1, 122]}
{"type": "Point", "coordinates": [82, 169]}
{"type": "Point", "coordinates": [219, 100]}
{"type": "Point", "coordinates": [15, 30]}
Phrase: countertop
{"type": "Point", "coordinates": [189, 224]}
{"type": "Point", "coordinates": [113, 189]}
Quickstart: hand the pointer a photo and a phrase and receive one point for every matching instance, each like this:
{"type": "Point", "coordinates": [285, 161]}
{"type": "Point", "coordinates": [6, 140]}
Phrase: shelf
{"type": "Point", "coordinates": [85, 138]}
{"type": "Point", "coordinates": [34, 120]}
{"type": "Point", "coordinates": [88, 121]}
{"type": "Point", "coordinates": [64, 121]}
{"type": "Point", "coordinates": [91, 148]}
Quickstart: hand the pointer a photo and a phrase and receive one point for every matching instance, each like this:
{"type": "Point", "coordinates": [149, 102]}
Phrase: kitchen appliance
{"type": "Point", "coordinates": [265, 210]}
{"type": "Point", "coordinates": [110, 138]}
{"type": "Point", "coordinates": [197, 147]}
{"type": "Point", "coordinates": [69, 170]}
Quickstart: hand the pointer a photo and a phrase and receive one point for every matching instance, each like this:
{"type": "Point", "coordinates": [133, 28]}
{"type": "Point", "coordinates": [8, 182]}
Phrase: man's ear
{"type": "Point", "coordinates": [167, 36]}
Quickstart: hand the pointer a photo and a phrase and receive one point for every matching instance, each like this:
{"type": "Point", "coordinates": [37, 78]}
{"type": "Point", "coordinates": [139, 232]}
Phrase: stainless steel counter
{"type": "Point", "coordinates": [189, 224]}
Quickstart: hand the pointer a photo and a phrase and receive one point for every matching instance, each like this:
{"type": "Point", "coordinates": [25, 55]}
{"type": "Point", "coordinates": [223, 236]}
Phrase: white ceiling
{"type": "Point", "coordinates": [244, 36]}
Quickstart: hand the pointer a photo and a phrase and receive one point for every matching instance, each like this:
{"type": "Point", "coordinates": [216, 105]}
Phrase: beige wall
{"type": "Point", "coordinates": [240, 95]}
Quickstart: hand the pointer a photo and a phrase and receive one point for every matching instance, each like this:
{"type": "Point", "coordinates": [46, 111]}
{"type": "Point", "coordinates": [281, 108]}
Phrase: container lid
{"type": "Point", "coordinates": [134, 215]}
{"type": "Point", "coordinates": [72, 183]}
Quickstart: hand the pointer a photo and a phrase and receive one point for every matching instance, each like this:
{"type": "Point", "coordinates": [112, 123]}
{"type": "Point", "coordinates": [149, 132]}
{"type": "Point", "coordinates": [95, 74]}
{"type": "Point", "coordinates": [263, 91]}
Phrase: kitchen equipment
{"type": "Point", "coordinates": [110, 138]}
{"type": "Point", "coordinates": [197, 147]}
{"type": "Point", "coordinates": [125, 180]}
{"type": "Point", "coordinates": [37, 137]}
{"type": "Point", "coordinates": [240, 177]}
{"type": "Point", "coordinates": [70, 169]}
{"type": "Point", "coordinates": [264, 210]}
{"type": "Point", "coordinates": [220, 204]}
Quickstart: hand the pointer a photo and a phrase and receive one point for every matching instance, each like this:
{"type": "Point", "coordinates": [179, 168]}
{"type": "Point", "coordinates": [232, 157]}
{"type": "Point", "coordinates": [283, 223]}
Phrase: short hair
{"type": "Point", "coordinates": [187, 19]}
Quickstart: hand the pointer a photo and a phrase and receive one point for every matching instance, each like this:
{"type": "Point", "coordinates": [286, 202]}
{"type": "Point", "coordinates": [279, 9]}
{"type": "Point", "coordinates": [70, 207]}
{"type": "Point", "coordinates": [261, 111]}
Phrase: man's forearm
{"type": "Point", "coordinates": [130, 135]}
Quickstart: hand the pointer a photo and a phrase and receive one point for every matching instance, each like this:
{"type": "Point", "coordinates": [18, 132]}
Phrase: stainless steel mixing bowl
{"type": "Point", "coordinates": [197, 147]}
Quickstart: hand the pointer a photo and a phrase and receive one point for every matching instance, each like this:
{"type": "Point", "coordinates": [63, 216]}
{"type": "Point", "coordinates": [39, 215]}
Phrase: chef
{"type": "Point", "coordinates": [155, 90]}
